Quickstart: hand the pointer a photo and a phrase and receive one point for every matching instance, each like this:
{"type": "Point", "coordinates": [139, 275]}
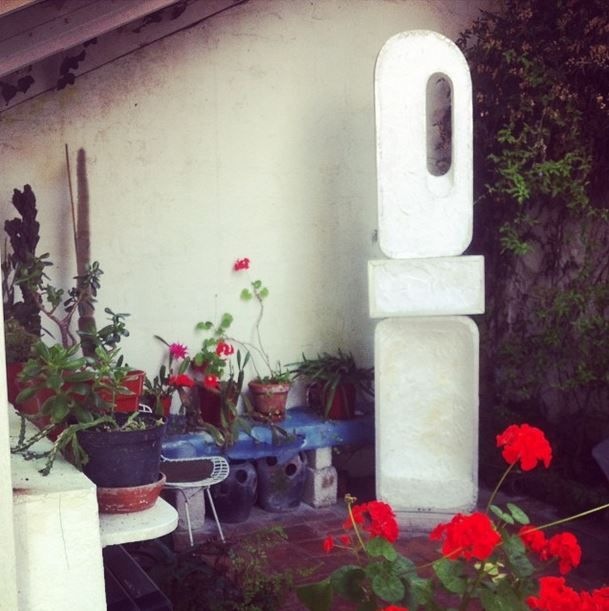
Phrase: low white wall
{"type": "Point", "coordinates": [250, 135]}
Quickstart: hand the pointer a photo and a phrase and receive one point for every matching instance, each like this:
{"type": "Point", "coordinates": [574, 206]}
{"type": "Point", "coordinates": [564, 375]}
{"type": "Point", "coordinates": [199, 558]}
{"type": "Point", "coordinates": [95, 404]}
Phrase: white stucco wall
{"type": "Point", "coordinates": [250, 135]}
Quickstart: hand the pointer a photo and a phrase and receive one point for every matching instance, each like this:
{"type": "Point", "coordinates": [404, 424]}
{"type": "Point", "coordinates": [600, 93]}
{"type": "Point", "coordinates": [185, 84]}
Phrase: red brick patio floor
{"type": "Point", "coordinates": [306, 528]}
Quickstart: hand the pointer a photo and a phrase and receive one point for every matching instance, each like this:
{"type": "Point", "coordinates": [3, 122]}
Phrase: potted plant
{"type": "Point", "coordinates": [172, 377]}
{"type": "Point", "coordinates": [209, 364]}
{"type": "Point", "coordinates": [334, 382]}
{"type": "Point", "coordinates": [77, 412]}
{"type": "Point", "coordinates": [18, 343]}
{"type": "Point", "coordinates": [269, 389]}
{"type": "Point", "coordinates": [22, 326]}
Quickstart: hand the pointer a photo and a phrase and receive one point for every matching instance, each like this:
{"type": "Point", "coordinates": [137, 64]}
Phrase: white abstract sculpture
{"type": "Point", "coordinates": [426, 355]}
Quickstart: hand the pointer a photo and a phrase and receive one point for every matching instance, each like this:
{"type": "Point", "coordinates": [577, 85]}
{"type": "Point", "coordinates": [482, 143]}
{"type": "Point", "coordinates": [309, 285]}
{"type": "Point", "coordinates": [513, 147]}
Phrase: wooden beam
{"type": "Point", "coordinates": [74, 23]}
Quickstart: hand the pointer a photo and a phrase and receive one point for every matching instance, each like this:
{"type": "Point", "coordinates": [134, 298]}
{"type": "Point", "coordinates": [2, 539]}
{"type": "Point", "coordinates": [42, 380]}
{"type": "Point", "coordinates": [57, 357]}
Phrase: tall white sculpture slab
{"type": "Point", "coordinates": [426, 361]}
{"type": "Point", "coordinates": [420, 214]}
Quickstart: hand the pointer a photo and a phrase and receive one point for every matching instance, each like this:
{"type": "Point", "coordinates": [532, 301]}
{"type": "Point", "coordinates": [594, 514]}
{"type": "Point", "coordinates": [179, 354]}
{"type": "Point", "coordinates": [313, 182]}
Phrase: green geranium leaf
{"type": "Point", "coordinates": [450, 573]}
{"type": "Point", "coordinates": [264, 292]}
{"type": "Point", "coordinates": [520, 516]}
{"type": "Point", "coordinates": [347, 581]}
{"type": "Point", "coordinates": [504, 598]}
{"type": "Point", "coordinates": [381, 547]}
{"type": "Point", "coordinates": [404, 567]}
{"type": "Point", "coordinates": [204, 326]}
{"type": "Point", "coordinates": [517, 558]}
{"type": "Point", "coordinates": [227, 320]}
{"type": "Point", "coordinates": [502, 515]}
{"type": "Point", "coordinates": [246, 294]}
{"type": "Point", "coordinates": [257, 284]}
{"type": "Point", "coordinates": [419, 593]}
{"type": "Point", "coordinates": [316, 596]}
{"type": "Point", "coordinates": [388, 586]}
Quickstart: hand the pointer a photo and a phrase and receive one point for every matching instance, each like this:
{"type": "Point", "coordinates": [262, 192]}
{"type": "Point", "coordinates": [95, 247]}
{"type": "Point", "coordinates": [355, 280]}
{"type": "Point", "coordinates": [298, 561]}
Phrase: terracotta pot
{"type": "Point", "coordinates": [270, 399]}
{"type": "Point", "coordinates": [127, 403]}
{"type": "Point", "coordinates": [210, 404]}
{"type": "Point", "coordinates": [342, 406]}
{"type": "Point", "coordinates": [129, 499]}
{"type": "Point", "coordinates": [12, 384]}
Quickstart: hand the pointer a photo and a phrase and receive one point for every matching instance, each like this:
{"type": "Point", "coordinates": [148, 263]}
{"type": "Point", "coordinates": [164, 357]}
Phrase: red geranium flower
{"type": "Point", "coordinates": [565, 547]}
{"type": "Point", "coordinates": [241, 264]}
{"type": "Point", "coordinates": [178, 351]}
{"type": "Point", "coordinates": [394, 608]}
{"type": "Point", "coordinates": [211, 382]}
{"type": "Point", "coordinates": [181, 380]}
{"type": "Point", "coordinates": [554, 595]}
{"type": "Point", "coordinates": [224, 349]}
{"type": "Point", "coordinates": [526, 444]}
{"type": "Point", "coordinates": [467, 536]}
{"type": "Point", "coordinates": [328, 544]}
{"type": "Point", "coordinates": [376, 518]}
{"type": "Point", "coordinates": [597, 600]}
{"type": "Point", "coordinates": [533, 538]}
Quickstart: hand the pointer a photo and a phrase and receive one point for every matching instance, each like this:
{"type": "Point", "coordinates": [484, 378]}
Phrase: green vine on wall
{"type": "Point", "coordinates": [541, 114]}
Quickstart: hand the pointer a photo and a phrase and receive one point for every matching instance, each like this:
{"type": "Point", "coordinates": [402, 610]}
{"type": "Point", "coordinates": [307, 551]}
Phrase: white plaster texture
{"type": "Point", "coordinates": [437, 286]}
{"type": "Point", "coordinates": [57, 538]}
{"type": "Point", "coordinates": [421, 215]}
{"type": "Point", "coordinates": [427, 413]}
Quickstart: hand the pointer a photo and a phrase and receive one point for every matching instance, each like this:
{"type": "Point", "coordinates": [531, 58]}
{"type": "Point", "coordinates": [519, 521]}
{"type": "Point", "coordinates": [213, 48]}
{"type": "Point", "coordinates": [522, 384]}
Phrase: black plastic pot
{"type": "Point", "coordinates": [236, 495]}
{"type": "Point", "coordinates": [118, 459]}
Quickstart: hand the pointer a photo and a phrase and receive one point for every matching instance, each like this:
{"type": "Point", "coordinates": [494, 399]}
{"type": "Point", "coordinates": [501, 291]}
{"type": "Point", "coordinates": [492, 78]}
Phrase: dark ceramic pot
{"type": "Point", "coordinates": [281, 484]}
{"type": "Point", "coordinates": [236, 495]}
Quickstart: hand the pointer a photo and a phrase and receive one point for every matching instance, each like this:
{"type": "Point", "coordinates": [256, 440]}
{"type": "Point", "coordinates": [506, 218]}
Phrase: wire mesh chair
{"type": "Point", "coordinates": [187, 473]}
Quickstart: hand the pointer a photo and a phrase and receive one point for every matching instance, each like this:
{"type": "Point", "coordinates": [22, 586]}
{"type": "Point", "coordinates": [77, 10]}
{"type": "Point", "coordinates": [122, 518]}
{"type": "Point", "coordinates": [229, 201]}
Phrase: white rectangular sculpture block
{"type": "Point", "coordinates": [420, 214]}
{"type": "Point", "coordinates": [426, 417]}
{"type": "Point", "coordinates": [426, 287]}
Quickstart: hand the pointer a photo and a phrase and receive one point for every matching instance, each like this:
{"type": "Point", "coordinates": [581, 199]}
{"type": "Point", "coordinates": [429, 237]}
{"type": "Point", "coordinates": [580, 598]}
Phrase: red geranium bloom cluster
{"type": "Point", "coordinates": [211, 382]}
{"type": "Point", "coordinates": [563, 546]}
{"type": "Point", "coordinates": [555, 595]}
{"type": "Point", "coordinates": [178, 351]}
{"type": "Point", "coordinates": [467, 536]}
{"type": "Point", "coordinates": [224, 349]}
{"type": "Point", "coordinates": [181, 380]}
{"type": "Point", "coordinates": [526, 444]}
{"type": "Point", "coordinates": [241, 264]}
{"type": "Point", "coordinates": [376, 518]}
{"type": "Point", "coordinates": [394, 608]}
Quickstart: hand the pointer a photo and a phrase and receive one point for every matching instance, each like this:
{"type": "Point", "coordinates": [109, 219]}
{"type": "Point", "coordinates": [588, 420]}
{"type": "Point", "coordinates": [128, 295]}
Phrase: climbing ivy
{"type": "Point", "coordinates": [540, 73]}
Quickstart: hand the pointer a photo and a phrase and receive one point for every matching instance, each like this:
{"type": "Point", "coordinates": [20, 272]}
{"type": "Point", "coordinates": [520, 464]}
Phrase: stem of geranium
{"type": "Point", "coordinates": [263, 352]}
{"type": "Point", "coordinates": [350, 500]}
{"type": "Point", "coordinates": [574, 517]}
{"type": "Point", "coordinates": [467, 594]}
{"type": "Point", "coordinates": [496, 489]}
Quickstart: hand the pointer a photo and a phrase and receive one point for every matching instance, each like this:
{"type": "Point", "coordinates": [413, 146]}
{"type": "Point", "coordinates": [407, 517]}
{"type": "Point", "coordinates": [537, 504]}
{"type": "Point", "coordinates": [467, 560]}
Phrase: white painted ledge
{"type": "Point", "coordinates": [157, 521]}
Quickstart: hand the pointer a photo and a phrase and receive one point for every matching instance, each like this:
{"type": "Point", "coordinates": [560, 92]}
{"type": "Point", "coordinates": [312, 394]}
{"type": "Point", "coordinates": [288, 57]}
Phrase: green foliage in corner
{"type": "Point", "coordinates": [540, 72]}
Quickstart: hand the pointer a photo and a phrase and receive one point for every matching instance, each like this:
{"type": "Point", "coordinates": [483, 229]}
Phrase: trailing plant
{"type": "Point", "coordinates": [540, 73]}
